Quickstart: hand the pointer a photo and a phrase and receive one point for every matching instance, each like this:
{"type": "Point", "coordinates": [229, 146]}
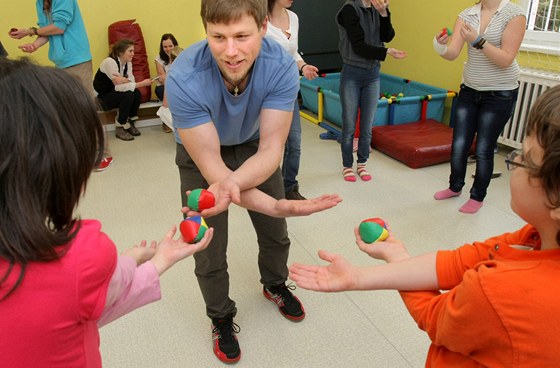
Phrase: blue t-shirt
{"type": "Point", "coordinates": [72, 47]}
{"type": "Point", "coordinates": [197, 93]}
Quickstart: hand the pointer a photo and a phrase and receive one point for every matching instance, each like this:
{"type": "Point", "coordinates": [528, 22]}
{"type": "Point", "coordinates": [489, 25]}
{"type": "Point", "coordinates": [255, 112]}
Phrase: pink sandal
{"type": "Point", "coordinates": [348, 174]}
{"type": "Point", "coordinates": [363, 173]}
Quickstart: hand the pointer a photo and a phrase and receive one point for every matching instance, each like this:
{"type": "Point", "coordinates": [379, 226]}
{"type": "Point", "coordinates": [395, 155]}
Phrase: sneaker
{"type": "Point", "coordinates": [104, 163]}
{"type": "Point", "coordinates": [123, 134]}
{"type": "Point", "coordinates": [133, 130]}
{"type": "Point", "coordinates": [165, 128]}
{"type": "Point", "coordinates": [288, 304]}
{"type": "Point", "coordinates": [226, 346]}
{"type": "Point", "coordinates": [293, 194]}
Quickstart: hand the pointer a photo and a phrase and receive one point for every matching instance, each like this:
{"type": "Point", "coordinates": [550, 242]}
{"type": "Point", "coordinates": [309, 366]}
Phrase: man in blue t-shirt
{"type": "Point", "coordinates": [231, 97]}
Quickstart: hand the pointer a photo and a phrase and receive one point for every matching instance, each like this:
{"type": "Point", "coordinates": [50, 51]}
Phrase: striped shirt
{"type": "Point", "coordinates": [480, 73]}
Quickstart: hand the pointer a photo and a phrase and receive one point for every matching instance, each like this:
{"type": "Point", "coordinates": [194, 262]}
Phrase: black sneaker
{"type": "Point", "coordinates": [293, 194]}
{"type": "Point", "coordinates": [224, 340]}
{"type": "Point", "coordinates": [288, 304]}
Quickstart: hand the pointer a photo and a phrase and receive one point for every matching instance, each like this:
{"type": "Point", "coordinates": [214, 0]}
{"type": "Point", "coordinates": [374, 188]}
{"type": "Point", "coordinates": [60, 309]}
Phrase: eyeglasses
{"type": "Point", "coordinates": [510, 160]}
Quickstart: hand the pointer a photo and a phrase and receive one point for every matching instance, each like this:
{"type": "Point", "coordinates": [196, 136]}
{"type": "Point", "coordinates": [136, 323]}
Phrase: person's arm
{"type": "Point", "coordinates": [349, 19]}
{"type": "Point", "coordinates": [274, 128]}
{"type": "Point", "coordinates": [34, 46]}
{"type": "Point", "coordinates": [203, 144]}
{"type": "Point", "coordinates": [386, 31]}
{"type": "Point", "coordinates": [511, 41]}
{"type": "Point", "coordinates": [135, 281]}
{"type": "Point", "coordinates": [160, 70]}
{"type": "Point", "coordinates": [450, 48]}
{"type": "Point", "coordinates": [415, 273]}
{"type": "Point", "coordinates": [110, 68]}
{"type": "Point", "coordinates": [462, 320]}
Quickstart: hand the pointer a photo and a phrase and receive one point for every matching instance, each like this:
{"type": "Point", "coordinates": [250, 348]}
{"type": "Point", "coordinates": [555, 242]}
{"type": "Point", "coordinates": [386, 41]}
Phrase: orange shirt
{"type": "Point", "coordinates": [502, 307]}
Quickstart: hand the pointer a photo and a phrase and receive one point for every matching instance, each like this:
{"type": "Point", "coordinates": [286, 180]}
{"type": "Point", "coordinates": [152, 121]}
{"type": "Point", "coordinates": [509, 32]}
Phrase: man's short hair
{"type": "Point", "coordinates": [227, 11]}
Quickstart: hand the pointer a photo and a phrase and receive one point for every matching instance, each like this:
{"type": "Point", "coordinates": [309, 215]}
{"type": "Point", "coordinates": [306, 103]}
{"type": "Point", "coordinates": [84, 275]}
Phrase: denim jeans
{"type": "Point", "coordinates": [484, 114]}
{"type": "Point", "coordinates": [159, 91]}
{"type": "Point", "coordinates": [359, 88]}
{"type": "Point", "coordinates": [292, 152]}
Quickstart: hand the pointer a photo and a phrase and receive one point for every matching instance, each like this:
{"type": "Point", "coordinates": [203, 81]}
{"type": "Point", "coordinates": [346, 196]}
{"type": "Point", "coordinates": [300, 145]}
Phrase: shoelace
{"type": "Point", "coordinates": [226, 329]}
{"type": "Point", "coordinates": [284, 292]}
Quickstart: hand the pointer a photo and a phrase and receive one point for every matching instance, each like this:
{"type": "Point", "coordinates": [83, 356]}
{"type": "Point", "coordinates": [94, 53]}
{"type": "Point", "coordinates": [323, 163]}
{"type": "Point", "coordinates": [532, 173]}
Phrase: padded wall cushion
{"type": "Point", "coordinates": [131, 30]}
{"type": "Point", "coordinates": [417, 144]}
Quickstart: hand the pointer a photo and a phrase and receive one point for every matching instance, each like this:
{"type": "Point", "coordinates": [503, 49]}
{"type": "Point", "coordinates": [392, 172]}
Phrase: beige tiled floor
{"type": "Point", "coordinates": [138, 198]}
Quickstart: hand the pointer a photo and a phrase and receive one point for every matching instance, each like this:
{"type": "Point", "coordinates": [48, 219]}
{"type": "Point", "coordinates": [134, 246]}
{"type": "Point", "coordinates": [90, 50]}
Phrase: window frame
{"type": "Point", "coordinates": [545, 42]}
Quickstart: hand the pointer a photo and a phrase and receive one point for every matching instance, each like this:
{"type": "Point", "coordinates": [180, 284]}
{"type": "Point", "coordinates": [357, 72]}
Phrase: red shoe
{"type": "Point", "coordinates": [288, 304]}
{"type": "Point", "coordinates": [104, 163]}
{"type": "Point", "coordinates": [226, 346]}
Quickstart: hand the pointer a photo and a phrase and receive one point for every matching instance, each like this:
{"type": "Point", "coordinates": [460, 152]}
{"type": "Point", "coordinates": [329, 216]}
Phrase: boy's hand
{"type": "Point", "coordinates": [389, 250]}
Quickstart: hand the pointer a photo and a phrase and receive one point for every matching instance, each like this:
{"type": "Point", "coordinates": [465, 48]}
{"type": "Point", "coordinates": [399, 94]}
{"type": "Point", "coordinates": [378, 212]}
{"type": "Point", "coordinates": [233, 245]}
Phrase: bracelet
{"type": "Point", "coordinates": [301, 69]}
{"type": "Point", "coordinates": [478, 38]}
{"type": "Point", "coordinates": [480, 44]}
{"type": "Point", "coordinates": [34, 31]}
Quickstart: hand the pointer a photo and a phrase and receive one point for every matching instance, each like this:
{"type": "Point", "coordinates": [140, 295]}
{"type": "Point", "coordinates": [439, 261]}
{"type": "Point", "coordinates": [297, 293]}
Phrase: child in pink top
{"type": "Point", "coordinates": [60, 276]}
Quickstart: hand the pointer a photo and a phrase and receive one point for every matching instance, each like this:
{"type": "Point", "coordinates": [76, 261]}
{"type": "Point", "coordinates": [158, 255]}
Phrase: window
{"type": "Point", "coordinates": [543, 21]}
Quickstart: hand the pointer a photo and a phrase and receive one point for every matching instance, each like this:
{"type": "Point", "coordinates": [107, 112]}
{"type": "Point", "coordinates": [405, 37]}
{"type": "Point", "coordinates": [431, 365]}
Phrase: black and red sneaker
{"type": "Point", "coordinates": [224, 340]}
{"type": "Point", "coordinates": [288, 304]}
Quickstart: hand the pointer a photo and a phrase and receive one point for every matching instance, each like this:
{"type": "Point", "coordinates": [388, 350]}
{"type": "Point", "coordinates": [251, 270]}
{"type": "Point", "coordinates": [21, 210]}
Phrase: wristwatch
{"type": "Point", "coordinates": [34, 30]}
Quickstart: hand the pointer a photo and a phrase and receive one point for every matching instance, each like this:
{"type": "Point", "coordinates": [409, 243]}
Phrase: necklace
{"type": "Point", "coordinates": [235, 86]}
{"type": "Point", "coordinates": [235, 91]}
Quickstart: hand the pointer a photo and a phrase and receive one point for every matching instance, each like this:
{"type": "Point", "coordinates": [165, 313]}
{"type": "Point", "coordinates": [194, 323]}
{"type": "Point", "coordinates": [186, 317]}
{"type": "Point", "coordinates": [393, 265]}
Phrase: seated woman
{"type": "Point", "coordinates": [163, 62]}
{"type": "Point", "coordinates": [163, 112]}
{"type": "Point", "coordinates": [117, 88]}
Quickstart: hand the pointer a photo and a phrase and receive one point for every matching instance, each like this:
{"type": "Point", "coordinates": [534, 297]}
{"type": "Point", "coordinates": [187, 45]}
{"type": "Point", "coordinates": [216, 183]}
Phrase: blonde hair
{"type": "Point", "coordinates": [174, 53]}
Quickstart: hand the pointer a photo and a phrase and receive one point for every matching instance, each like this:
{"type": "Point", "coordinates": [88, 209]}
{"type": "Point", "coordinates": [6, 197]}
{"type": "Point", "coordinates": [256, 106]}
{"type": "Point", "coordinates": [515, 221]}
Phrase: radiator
{"type": "Point", "coordinates": [532, 83]}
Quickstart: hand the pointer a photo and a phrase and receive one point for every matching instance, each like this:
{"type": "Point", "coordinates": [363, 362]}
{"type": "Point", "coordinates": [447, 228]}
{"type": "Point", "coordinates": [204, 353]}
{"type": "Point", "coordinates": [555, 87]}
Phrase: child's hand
{"type": "Point", "coordinates": [169, 251]}
{"type": "Point", "coordinates": [389, 250]}
{"type": "Point", "coordinates": [338, 275]}
{"type": "Point", "coordinates": [141, 253]}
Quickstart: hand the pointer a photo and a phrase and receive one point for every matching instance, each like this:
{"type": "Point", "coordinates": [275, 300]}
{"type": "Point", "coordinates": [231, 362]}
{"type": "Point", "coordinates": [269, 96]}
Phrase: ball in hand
{"type": "Point", "coordinates": [446, 31]}
{"type": "Point", "coordinates": [193, 229]}
{"type": "Point", "coordinates": [200, 199]}
{"type": "Point", "coordinates": [373, 229]}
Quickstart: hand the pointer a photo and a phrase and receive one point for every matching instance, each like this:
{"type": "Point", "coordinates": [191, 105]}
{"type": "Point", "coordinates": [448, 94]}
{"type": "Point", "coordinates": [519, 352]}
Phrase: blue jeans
{"type": "Point", "coordinates": [359, 88]}
{"type": "Point", "coordinates": [292, 152]}
{"type": "Point", "coordinates": [484, 114]}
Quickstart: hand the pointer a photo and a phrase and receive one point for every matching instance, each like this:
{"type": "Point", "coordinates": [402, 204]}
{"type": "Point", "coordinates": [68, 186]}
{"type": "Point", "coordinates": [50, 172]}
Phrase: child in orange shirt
{"type": "Point", "coordinates": [498, 301]}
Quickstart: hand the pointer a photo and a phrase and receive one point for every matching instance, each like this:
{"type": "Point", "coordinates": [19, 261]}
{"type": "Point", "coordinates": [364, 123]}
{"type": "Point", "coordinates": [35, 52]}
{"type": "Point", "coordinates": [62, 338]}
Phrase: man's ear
{"type": "Point", "coordinates": [264, 25]}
